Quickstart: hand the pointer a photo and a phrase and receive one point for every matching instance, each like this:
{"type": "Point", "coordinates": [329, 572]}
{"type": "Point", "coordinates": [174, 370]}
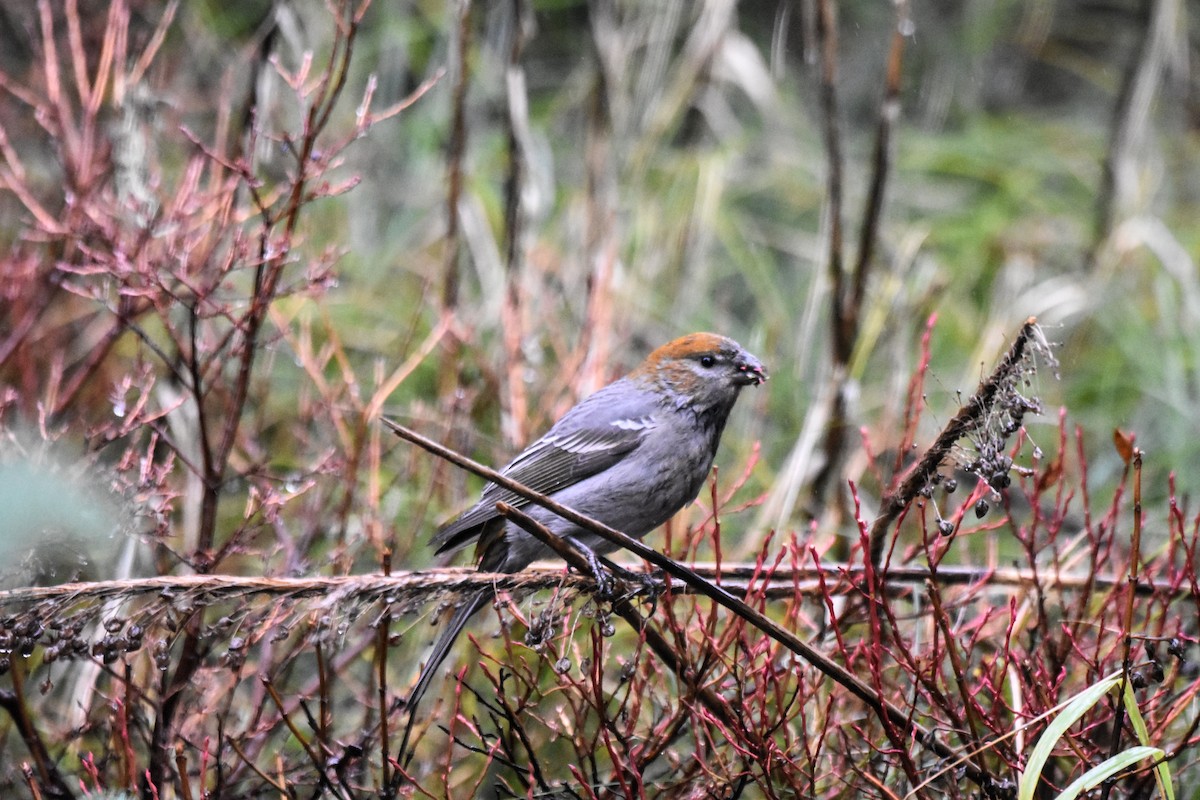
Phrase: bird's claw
{"type": "Point", "coordinates": [605, 584]}
{"type": "Point", "coordinates": [651, 583]}
{"type": "Point", "coordinates": [648, 584]}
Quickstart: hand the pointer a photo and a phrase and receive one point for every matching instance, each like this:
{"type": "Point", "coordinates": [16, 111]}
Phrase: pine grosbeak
{"type": "Point", "coordinates": [630, 455]}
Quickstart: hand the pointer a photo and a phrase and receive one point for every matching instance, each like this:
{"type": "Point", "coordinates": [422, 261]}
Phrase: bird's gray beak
{"type": "Point", "coordinates": [750, 371]}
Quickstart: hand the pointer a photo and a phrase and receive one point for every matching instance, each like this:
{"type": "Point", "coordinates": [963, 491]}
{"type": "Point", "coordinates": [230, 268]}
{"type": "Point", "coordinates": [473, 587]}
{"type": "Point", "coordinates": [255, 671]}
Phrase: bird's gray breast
{"type": "Point", "coordinates": [642, 491]}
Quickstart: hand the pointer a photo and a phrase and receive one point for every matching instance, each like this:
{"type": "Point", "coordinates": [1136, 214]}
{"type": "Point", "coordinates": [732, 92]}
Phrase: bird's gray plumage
{"type": "Point", "coordinates": [630, 455]}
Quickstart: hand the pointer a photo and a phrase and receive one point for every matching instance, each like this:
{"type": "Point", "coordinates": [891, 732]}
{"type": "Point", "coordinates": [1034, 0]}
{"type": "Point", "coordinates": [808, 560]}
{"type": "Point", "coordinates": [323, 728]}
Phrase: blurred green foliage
{"type": "Point", "coordinates": [685, 143]}
{"type": "Point", "coordinates": [674, 178]}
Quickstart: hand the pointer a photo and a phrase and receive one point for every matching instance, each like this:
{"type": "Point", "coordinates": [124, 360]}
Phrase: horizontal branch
{"type": "Point", "coordinates": [424, 585]}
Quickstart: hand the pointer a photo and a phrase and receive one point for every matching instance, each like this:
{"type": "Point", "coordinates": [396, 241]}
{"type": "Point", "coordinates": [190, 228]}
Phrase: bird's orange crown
{"type": "Point", "coordinates": [695, 346]}
{"type": "Point", "coordinates": [689, 346]}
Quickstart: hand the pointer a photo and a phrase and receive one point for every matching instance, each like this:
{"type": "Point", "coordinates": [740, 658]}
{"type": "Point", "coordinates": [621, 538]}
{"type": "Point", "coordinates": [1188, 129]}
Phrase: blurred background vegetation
{"type": "Point", "coordinates": [674, 176]}
{"type": "Point", "coordinates": [621, 173]}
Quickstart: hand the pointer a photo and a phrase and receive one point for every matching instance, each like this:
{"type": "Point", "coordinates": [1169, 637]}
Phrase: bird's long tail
{"type": "Point", "coordinates": [441, 649]}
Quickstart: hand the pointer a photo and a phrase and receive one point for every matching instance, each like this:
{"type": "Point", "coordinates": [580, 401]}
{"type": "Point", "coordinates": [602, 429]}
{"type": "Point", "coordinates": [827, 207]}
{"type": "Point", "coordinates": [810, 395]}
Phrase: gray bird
{"type": "Point", "coordinates": [631, 455]}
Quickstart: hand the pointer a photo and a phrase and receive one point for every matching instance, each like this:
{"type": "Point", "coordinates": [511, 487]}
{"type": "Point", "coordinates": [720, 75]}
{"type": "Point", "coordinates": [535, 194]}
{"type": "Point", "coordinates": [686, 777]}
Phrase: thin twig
{"type": "Point", "coordinates": [843, 325]}
{"type": "Point", "coordinates": [454, 158]}
{"type": "Point", "coordinates": [889, 111]}
{"type": "Point", "coordinates": [514, 401]}
{"type": "Point", "coordinates": [1135, 548]}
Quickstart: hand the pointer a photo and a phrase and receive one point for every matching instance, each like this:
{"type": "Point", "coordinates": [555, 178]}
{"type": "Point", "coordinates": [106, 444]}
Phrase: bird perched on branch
{"type": "Point", "coordinates": [630, 456]}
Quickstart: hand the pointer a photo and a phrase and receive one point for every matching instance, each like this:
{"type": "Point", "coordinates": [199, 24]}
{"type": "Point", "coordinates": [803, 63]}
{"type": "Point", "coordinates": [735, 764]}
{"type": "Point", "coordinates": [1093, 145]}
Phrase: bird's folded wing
{"type": "Point", "coordinates": [557, 460]}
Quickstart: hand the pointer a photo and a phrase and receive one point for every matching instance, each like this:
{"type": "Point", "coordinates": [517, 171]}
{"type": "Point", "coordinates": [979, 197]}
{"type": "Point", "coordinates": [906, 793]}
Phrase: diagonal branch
{"type": "Point", "coordinates": [883, 709]}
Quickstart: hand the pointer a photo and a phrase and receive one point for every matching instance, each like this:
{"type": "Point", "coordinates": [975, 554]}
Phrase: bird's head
{"type": "Point", "coordinates": [701, 369]}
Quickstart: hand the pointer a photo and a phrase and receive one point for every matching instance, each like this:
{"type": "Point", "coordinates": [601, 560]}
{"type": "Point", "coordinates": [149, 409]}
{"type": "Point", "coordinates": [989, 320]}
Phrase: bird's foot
{"type": "Point", "coordinates": [649, 584]}
{"type": "Point", "coordinates": [653, 584]}
{"type": "Point", "coordinates": [605, 584]}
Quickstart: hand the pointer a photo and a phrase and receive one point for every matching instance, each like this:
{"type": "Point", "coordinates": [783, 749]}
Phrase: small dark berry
{"type": "Point", "coordinates": [1177, 647]}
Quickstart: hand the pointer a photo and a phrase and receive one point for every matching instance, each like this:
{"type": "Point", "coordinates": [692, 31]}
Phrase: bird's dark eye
{"type": "Point", "coordinates": [707, 361]}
